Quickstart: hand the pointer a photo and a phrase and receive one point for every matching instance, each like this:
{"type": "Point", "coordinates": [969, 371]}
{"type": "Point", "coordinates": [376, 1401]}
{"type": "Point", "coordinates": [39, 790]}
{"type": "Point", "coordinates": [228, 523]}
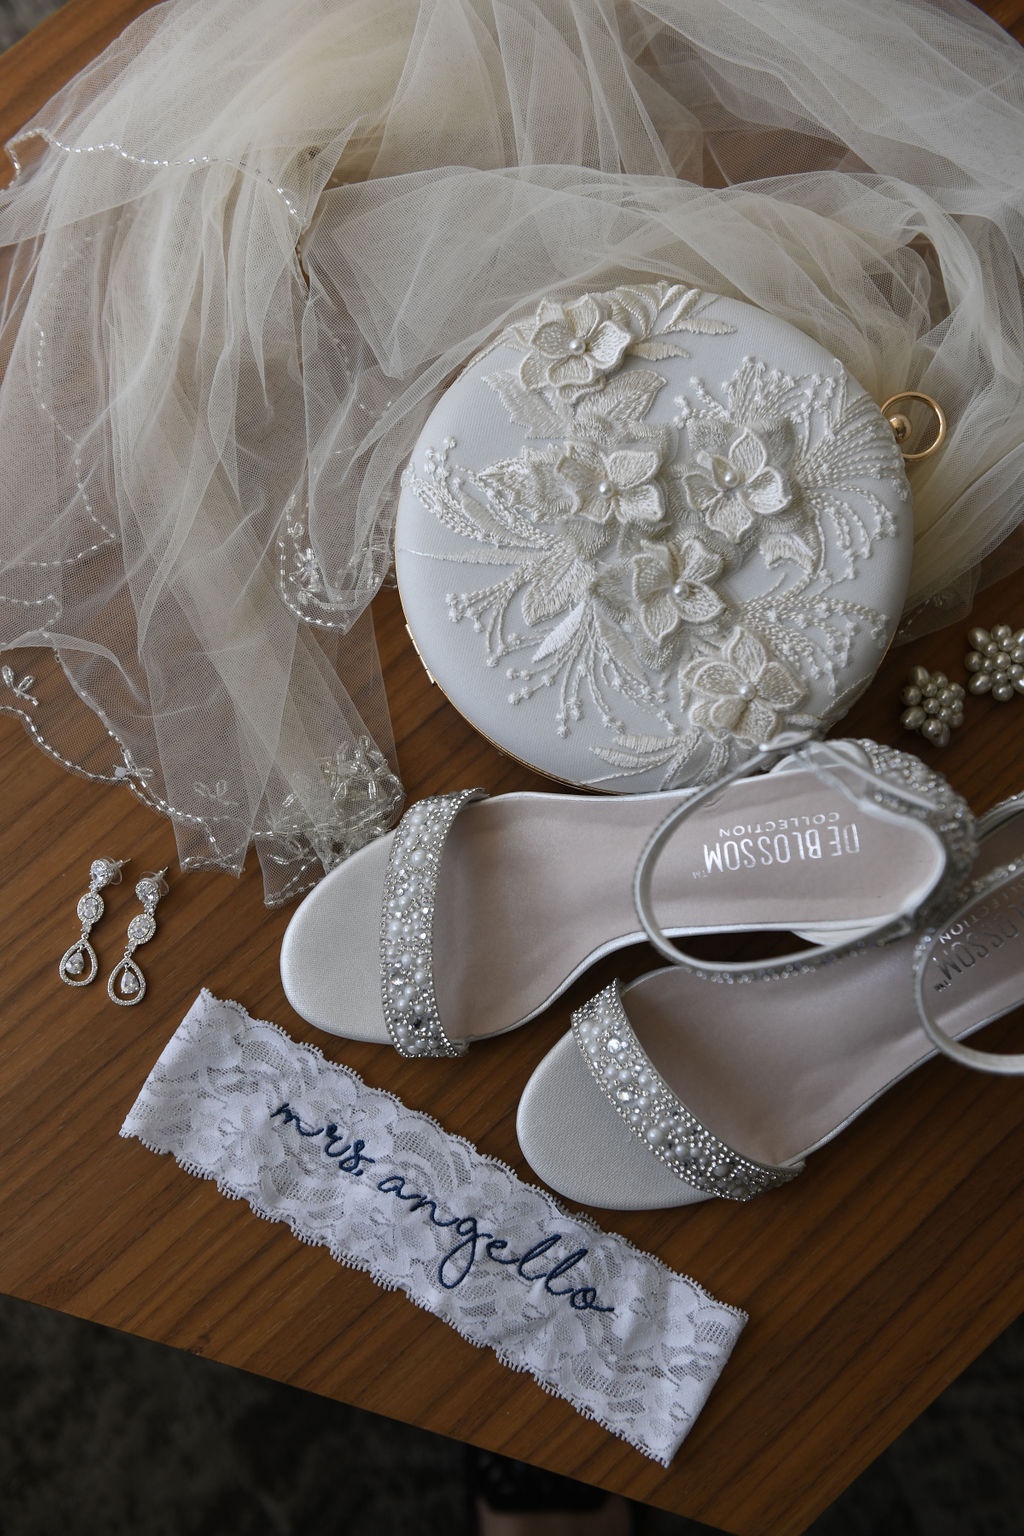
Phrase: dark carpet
{"type": "Point", "coordinates": [103, 1433]}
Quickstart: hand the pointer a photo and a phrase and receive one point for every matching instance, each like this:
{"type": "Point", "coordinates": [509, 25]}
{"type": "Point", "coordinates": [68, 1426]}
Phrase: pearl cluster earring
{"type": "Point", "coordinates": [996, 662]}
{"type": "Point", "coordinates": [934, 706]}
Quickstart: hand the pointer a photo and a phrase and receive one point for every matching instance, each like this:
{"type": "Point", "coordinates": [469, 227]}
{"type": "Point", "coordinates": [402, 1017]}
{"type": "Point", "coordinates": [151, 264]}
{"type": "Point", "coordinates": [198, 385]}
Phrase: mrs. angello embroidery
{"type": "Point", "coordinates": [350, 1168]}
{"type": "Point", "coordinates": [352, 1158]}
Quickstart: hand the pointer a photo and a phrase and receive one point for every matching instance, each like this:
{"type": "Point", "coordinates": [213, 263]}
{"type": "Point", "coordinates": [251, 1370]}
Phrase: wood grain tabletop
{"type": "Point", "coordinates": [870, 1282]}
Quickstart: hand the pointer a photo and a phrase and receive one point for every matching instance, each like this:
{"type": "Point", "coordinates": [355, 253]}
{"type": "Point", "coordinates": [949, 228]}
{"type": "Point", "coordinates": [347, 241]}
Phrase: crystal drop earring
{"type": "Point", "coordinates": [126, 984]}
{"type": "Point", "coordinates": [78, 965]}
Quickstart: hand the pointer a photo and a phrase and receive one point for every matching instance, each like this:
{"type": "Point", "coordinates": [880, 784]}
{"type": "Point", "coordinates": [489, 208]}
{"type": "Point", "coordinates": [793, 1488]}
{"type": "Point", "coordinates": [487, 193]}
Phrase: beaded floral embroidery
{"type": "Point", "coordinates": [616, 537]}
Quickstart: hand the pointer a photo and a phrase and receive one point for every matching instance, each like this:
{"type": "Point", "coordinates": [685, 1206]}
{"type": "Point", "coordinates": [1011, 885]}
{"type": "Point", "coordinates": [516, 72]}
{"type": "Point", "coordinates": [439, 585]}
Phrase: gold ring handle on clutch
{"type": "Point", "coordinates": [902, 426]}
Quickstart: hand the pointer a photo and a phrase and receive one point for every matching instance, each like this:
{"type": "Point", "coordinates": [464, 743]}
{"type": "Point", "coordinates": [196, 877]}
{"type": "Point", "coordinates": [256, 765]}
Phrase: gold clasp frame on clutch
{"type": "Point", "coordinates": [904, 430]}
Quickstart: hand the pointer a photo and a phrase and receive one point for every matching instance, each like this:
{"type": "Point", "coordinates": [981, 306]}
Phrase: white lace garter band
{"type": "Point", "coordinates": [624, 1339]}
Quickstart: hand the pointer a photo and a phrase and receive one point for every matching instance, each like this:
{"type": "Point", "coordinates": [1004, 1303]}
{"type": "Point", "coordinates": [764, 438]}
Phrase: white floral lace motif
{"type": "Point", "coordinates": [625, 1340]}
{"type": "Point", "coordinates": [618, 536]}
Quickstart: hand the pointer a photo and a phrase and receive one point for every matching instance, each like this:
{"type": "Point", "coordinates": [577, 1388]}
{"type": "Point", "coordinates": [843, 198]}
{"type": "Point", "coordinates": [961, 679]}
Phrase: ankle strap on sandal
{"type": "Point", "coordinates": [887, 786]}
{"type": "Point", "coordinates": [978, 931]}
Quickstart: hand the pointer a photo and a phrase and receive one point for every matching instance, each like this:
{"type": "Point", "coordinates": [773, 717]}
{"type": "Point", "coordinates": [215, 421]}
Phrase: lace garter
{"type": "Point", "coordinates": [627, 1341]}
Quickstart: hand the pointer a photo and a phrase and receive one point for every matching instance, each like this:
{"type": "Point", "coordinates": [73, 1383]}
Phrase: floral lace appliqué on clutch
{"type": "Point", "coordinates": [669, 565]}
{"type": "Point", "coordinates": [625, 1340]}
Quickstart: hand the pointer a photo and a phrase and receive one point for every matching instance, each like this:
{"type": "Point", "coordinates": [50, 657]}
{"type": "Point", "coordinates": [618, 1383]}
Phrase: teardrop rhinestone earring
{"type": "Point", "coordinates": [126, 984]}
{"type": "Point", "coordinates": [78, 965]}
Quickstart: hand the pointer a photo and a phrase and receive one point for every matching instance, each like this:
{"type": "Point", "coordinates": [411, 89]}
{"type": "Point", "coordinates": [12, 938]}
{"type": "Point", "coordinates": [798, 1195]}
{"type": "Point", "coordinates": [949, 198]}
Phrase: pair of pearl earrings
{"type": "Point", "coordinates": [934, 706]}
{"type": "Point", "coordinates": [79, 965]}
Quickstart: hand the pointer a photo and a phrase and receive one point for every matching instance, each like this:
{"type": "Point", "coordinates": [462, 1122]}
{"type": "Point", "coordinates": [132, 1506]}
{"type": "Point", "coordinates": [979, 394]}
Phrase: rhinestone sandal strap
{"type": "Point", "coordinates": [407, 926]}
{"type": "Point", "coordinates": [657, 1117]}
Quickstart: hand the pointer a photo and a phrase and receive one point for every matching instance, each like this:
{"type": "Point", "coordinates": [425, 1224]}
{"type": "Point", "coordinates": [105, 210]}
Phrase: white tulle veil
{"type": "Point", "coordinates": [246, 248]}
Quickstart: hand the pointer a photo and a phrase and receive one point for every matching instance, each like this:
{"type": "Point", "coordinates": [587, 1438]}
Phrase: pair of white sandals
{"type": "Point", "coordinates": [474, 914]}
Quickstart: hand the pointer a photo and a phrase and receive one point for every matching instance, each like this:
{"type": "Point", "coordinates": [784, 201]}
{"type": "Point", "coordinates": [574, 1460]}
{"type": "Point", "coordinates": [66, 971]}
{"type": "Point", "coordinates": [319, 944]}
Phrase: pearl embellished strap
{"type": "Point", "coordinates": [657, 1117]}
{"type": "Point", "coordinates": [407, 926]}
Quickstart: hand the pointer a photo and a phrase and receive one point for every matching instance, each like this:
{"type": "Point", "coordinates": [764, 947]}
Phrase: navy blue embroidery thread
{"type": "Point", "coordinates": [456, 1264]}
{"type": "Point", "coordinates": [349, 1159]}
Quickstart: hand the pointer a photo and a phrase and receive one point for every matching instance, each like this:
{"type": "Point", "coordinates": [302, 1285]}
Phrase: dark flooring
{"type": "Point", "coordinates": [18, 17]}
{"type": "Point", "coordinates": [104, 1435]}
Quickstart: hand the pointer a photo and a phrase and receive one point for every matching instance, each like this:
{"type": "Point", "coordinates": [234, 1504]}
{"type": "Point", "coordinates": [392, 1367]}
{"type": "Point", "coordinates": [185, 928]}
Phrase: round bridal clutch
{"type": "Point", "coordinates": [646, 530]}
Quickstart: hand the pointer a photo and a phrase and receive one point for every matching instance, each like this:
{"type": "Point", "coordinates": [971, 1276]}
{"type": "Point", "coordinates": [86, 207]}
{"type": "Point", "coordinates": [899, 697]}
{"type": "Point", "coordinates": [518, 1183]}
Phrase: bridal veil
{"type": "Point", "coordinates": [246, 248]}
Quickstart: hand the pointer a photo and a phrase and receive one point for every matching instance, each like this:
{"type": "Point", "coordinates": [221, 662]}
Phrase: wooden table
{"type": "Point", "coordinates": [871, 1282]}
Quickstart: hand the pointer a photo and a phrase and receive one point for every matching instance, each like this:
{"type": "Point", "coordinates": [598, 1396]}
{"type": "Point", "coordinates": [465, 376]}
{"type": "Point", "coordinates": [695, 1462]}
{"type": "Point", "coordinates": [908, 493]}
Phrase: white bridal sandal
{"type": "Point", "coordinates": [673, 1090]}
{"type": "Point", "coordinates": [475, 913]}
